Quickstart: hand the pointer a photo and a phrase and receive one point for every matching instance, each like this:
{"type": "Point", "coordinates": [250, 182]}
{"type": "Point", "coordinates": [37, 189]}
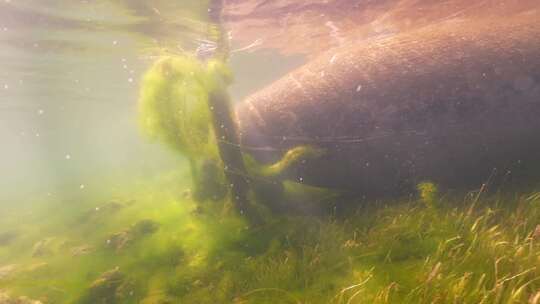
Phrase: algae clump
{"type": "Point", "coordinates": [173, 109]}
{"type": "Point", "coordinates": [291, 157]}
{"type": "Point", "coordinates": [173, 106]}
{"type": "Point", "coordinates": [428, 192]}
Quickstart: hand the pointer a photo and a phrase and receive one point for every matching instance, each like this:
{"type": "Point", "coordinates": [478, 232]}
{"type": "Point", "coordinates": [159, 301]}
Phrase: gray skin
{"type": "Point", "coordinates": [456, 103]}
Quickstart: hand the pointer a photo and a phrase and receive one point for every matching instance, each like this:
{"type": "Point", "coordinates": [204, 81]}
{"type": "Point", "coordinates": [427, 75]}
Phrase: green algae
{"type": "Point", "coordinates": [175, 109]}
{"type": "Point", "coordinates": [465, 251]}
{"type": "Point", "coordinates": [428, 193]}
{"type": "Point", "coordinates": [289, 159]}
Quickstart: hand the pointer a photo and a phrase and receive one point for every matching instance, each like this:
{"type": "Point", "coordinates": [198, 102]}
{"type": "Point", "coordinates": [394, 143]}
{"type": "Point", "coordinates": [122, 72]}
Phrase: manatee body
{"type": "Point", "coordinates": [456, 103]}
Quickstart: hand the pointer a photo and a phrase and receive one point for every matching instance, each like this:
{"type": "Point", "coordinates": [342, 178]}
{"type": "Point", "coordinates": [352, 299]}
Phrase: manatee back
{"type": "Point", "coordinates": [455, 103]}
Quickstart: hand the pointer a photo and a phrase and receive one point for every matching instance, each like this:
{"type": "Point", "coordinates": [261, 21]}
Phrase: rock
{"type": "Point", "coordinates": [103, 289]}
{"type": "Point", "coordinates": [454, 102]}
{"type": "Point", "coordinates": [536, 232]}
{"type": "Point", "coordinates": [197, 284]}
{"type": "Point", "coordinates": [109, 207]}
{"type": "Point", "coordinates": [43, 247]}
{"type": "Point", "coordinates": [111, 287]}
{"type": "Point", "coordinates": [120, 240]}
{"type": "Point", "coordinates": [6, 299]}
{"type": "Point", "coordinates": [3, 297]}
{"type": "Point", "coordinates": [103, 210]}
{"type": "Point", "coordinates": [144, 227]}
{"type": "Point", "coordinates": [81, 250]}
{"type": "Point", "coordinates": [7, 237]}
{"type": "Point", "coordinates": [126, 291]}
{"type": "Point", "coordinates": [36, 267]}
{"type": "Point", "coordinates": [186, 194]}
{"type": "Point", "coordinates": [130, 202]}
{"type": "Point", "coordinates": [125, 238]}
{"type": "Point", "coordinates": [7, 270]}
{"type": "Point", "coordinates": [156, 291]}
{"type": "Point", "coordinates": [157, 299]}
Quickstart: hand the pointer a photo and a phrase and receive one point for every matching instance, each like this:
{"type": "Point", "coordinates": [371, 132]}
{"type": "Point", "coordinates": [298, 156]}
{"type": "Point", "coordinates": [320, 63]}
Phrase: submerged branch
{"type": "Point", "coordinates": [225, 130]}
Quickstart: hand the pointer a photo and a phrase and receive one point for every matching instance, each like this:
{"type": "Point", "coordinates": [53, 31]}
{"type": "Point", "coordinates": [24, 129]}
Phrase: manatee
{"type": "Point", "coordinates": [455, 103]}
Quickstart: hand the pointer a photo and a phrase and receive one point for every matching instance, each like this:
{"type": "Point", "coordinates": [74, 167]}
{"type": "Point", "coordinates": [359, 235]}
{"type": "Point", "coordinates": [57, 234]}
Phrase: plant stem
{"type": "Point", "coordinates": [229, 151]}
{"type": "Point", "coordinates": [225, 127]}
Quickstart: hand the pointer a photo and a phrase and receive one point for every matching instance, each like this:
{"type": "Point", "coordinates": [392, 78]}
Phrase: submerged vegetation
{"type": "Point", "coordinates": [174, 110]}
{"type": "Point", "coordinates": [153, 244]}
{"type": "Point", "coordinates": [185, 105]}
{"type": "Point", "coordinates": [173, 238]}
{"type": "Point", "coordinates": [171, 241]}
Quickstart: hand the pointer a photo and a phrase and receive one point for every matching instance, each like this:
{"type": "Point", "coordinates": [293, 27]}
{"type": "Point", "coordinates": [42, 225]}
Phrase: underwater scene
{"type": "Point", "coordinates": [255, 151]}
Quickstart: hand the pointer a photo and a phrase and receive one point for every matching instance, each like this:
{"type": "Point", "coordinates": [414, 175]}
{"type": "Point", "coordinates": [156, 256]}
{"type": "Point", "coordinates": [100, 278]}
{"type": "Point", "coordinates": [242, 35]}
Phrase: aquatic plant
{"type": "Point", "coordinates": [173, 109]}
{"type": "Point", "coordinates": [182, 101]}
{"type": "Point", "coordinates": [289, 159]}
{"type": "Point", "coordinates": [428, 192]}
{"type": "Point", "coordinates": [185, 104]}
{"type": "Point", "coordinates": [469, 251]}
{"type": "Point", "coordinates": [173, 105]}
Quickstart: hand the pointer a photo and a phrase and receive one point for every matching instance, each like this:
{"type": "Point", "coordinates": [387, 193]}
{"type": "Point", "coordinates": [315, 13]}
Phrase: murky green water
{"type": "Point", "coordinates": [94, 211]}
